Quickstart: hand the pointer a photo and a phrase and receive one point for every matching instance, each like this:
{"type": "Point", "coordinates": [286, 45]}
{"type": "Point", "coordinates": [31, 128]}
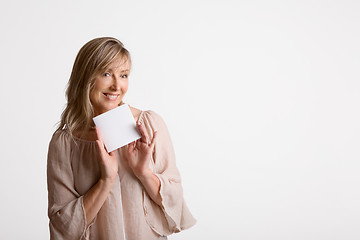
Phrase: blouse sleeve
{"type": "Point", "coordinates": [65, 205]}
{"type": "Point", "coordinates": [174, 215]}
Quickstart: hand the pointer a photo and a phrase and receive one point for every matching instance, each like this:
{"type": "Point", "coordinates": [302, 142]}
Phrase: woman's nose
{"type": "Point", "coordinates": [116, 85]}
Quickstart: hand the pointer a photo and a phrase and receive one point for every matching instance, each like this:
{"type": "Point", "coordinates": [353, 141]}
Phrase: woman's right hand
{"type": "Point", "coordinates": [108, 162]}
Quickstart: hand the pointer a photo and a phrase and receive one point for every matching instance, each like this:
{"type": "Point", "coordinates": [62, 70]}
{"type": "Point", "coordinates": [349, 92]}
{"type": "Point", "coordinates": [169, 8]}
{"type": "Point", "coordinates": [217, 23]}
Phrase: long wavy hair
{"type": "Point", "coordinates": [93, 58]}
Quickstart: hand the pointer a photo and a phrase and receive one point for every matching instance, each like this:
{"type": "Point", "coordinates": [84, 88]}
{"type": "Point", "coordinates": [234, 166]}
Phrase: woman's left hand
{"type": "Point", "coordinates": [139, 152]}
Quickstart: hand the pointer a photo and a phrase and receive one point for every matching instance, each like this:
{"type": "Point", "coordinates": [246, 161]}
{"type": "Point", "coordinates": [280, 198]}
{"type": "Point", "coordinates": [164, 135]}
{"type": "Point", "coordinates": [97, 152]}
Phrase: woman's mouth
{"type": "Point", "coordinates": [111, 96]}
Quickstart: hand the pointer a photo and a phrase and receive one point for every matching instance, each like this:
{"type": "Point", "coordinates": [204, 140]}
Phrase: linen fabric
{"type": "Point", "coordinates": [72, 169]}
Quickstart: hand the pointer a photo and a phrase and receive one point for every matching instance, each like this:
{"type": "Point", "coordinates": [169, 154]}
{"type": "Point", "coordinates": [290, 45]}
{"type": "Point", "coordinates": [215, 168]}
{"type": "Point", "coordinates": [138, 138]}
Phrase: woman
{"type": "Point", "coordinates": [133, 192]}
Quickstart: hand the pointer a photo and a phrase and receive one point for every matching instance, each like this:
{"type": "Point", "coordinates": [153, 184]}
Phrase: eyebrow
{"type": "Point", "coordinates": [111, 70]}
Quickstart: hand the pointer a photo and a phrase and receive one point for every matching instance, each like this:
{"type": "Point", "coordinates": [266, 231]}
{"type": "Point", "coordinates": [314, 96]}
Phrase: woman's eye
{"type": "Point", "coordinates": [107, 74]}
{"type": "Point", "coordinates": [124, 76]}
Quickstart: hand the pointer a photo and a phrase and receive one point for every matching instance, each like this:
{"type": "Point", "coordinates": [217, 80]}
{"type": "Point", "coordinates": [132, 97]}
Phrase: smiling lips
{"type": "Point", "coordinates": [111, 96]}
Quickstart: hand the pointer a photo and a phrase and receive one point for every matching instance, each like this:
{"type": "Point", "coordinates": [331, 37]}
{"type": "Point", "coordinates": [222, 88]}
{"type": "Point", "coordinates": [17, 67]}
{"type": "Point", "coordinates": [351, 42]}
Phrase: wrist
{"type": "Point", "coordinates": [107, 181]}
{"type": "Point", "coordinates": [144, 175]}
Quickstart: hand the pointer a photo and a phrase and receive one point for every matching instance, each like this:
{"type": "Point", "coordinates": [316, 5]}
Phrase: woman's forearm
{"type": "Point", "coordinates": [95, 198]}
{"type": "Point", "coordinates": [152, 186]}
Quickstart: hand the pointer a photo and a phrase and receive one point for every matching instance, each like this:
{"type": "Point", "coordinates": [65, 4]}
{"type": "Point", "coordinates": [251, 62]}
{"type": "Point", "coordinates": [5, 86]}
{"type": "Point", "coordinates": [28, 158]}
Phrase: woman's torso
{"type": "Point", "coordinates": [84, 160]}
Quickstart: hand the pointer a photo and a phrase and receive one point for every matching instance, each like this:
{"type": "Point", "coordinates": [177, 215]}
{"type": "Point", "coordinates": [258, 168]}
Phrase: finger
{"type": "Point", "coordinates": [112, 153]}
{"type": "Point", "coordinates": [131, 147]}
{"type": "Point", "coordinates": [152, 144]}
{"type": "Point", "coordinates": [101, 147]}
{"type": "Point", "coordinates": [142, 132]}
{"type": "Point", "coordinates": [98, 134]}
{"type": "Point", "coordinates": [133, 143]}
{"type": "Point", "coordinates": [136, 143]}
{"type": "Point", "coordinates": [144, 136]}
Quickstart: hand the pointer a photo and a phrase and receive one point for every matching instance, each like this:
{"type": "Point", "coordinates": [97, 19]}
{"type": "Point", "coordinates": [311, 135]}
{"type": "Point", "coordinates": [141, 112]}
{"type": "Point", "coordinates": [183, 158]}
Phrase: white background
{"type": "Point", "coordinates": [261, 99]}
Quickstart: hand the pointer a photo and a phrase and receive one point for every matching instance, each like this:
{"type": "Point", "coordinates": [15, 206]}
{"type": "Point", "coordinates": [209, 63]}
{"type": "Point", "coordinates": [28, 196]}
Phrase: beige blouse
{"type": "Point", "coordinates": [72, 169]}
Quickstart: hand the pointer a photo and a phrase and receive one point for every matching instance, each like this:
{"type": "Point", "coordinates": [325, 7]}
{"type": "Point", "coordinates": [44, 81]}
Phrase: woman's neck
{"type": "Point", "coordinates": [89, 135]}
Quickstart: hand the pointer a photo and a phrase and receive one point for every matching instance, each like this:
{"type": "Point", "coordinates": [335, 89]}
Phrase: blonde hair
{"type": "Point", "coordinates": [92, 58]}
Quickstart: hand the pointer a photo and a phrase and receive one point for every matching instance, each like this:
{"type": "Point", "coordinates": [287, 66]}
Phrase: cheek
{"type": "Point", "coordinates": [125, 87]}
{"type": "Point", "coordinates": [96, 91]}
{"type": "Point", "coordinates": [99, 85]}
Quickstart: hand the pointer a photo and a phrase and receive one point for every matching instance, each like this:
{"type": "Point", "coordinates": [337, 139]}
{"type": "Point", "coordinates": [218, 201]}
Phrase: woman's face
{"type": "Point", "coordinates": [110, 86]}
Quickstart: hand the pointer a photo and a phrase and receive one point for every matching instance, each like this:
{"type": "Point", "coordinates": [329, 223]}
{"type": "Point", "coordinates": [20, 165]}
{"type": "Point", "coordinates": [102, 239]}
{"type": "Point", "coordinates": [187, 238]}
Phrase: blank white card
{"type": "Point", "coordinates": [117, 127]}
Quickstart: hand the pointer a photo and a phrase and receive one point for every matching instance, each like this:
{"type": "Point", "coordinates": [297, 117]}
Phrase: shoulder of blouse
{"type": "Point", "coordinates": [153, 117]}
{"type": "Point", "coordinates": [59, 138]}
{"type": "Point", "coordinates": [59, 135]}
{"type": "Point", "coordinates": [153, 121]}
{"type": "Point", "coordinates": [62, 142]}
